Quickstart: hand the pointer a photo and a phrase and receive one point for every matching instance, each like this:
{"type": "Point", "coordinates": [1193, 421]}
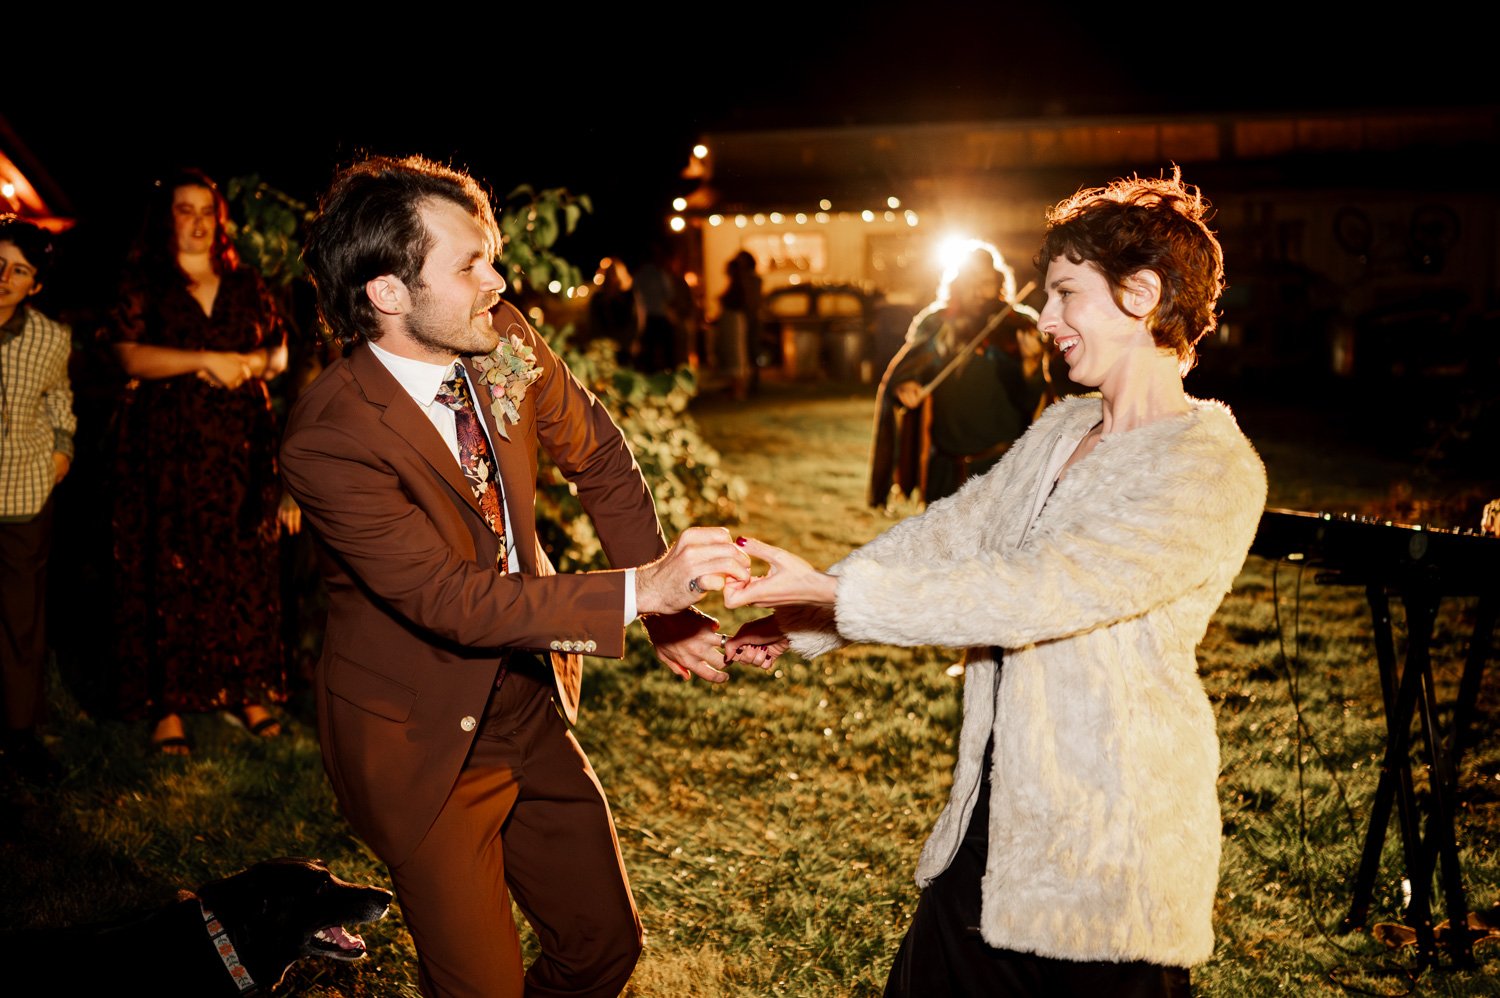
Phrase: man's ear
{"type": "Point", "coordinates": [1141, 293]}
{"type": "Point", "coordinates": [389, 295]}
{"type": "Point", "coordinates": [35, 287]}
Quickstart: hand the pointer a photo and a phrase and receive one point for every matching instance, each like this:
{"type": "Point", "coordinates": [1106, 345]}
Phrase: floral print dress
{"type": "Point", "coordinates": [197, 598]}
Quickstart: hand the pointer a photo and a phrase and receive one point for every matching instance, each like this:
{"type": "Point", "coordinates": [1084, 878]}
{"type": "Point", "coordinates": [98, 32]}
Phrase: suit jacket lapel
{"type": "Point", "coordinates": [404, 417]}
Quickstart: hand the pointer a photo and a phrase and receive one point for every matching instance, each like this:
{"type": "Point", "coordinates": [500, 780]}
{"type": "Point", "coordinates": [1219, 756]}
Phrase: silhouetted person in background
{"type": "Point", "coordinates": [663, 342]}
{"type": "Point", "coordinates": [738, 324]}
{"type": "Point", "coordinates": [614, 312]}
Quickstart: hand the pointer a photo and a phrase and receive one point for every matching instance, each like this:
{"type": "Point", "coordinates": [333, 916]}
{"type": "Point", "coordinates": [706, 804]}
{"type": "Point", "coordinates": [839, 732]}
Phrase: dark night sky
{"type": "Point", "coordinates": [572, 102]}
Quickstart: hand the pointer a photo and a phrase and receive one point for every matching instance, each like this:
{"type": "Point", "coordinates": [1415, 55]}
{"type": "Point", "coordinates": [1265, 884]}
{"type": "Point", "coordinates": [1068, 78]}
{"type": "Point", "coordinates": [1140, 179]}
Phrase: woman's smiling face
{"type": "Point", "coordinates": [1090, 328]}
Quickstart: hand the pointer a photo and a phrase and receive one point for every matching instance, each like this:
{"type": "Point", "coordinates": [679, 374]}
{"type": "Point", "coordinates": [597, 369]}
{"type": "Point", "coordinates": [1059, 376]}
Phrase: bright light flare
{"type": "Point", "coordinates": [954, 249]}
{"type": "Point", "coordinates": [677, 223]}
{"type": "Point", "coordinates": [679, 204]}
{"type": "Point", "coordinates": [700, 151]}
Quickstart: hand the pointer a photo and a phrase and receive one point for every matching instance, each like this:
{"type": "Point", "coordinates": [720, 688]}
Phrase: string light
{"type": "Point", "coordinates": [678, 223]}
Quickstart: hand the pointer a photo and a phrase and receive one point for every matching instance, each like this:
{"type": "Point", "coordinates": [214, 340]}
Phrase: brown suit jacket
{"type": "Point", "coordinates": [418, 616]}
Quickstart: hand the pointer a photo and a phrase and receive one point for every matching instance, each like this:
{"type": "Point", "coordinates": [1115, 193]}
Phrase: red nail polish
{"type": "Point", "coordinates": [740, 541]}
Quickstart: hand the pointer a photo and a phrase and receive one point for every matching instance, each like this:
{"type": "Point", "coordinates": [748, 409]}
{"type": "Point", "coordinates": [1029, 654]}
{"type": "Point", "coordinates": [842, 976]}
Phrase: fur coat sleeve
{"type": "Point", "coordinates": [1141, 522]}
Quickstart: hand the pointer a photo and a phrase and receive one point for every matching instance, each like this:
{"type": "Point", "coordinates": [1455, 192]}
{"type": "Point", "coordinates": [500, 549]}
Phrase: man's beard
{"type": "Point", "coordinates": [440, 335]}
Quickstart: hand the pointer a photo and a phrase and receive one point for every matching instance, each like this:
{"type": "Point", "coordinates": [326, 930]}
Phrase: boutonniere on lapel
{"type": "Point", "coordinates": [507, 371]}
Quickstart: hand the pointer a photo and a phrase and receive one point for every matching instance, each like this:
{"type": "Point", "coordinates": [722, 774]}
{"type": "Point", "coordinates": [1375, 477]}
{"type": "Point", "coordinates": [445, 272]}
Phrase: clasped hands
{"type": "Point", "coordinates": [705, 559]}
{"type": "Point", "coordinates": [227, 369]}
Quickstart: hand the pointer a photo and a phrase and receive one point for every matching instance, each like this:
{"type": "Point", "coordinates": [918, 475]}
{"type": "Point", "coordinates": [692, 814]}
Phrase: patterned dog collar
{"type": "Point", "coordinates": [220, 937]}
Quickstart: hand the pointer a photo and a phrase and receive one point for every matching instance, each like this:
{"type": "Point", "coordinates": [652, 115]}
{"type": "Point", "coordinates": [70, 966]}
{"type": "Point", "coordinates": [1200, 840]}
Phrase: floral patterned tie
{"type": "Point", "coordinates": [474, 454]}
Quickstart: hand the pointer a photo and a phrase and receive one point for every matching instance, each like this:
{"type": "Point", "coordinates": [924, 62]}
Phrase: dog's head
{"type": "Point", "coordinates": [282, 909]}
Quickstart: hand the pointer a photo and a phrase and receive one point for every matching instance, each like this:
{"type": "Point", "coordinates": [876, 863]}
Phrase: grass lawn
{"type": "Point", "coordinates": [770, 825]}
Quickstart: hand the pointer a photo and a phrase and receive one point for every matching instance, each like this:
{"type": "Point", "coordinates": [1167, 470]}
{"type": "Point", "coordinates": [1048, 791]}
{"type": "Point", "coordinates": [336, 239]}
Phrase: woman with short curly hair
{"type": "Point", "coordinates": [1079, 851]}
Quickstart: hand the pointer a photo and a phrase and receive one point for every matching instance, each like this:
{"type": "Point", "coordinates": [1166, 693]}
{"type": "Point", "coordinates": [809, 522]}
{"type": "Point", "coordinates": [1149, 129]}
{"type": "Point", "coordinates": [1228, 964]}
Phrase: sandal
{"type": "Point", "coordinates": [176, 745]}
{"type": "Point", "coordinates": [172, 741]}
{"type": "Point", "coordinates": [262, 728]}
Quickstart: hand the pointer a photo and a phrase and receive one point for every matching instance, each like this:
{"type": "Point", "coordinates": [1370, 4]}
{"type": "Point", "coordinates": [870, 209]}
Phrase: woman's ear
{"type": "Point", "coordinates": [1142, 293]}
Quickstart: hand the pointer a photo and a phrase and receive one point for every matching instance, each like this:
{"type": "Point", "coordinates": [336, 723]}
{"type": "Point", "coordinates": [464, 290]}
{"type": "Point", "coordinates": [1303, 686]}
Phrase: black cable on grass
{"type": "Point", "coordinates": [1383, 968]}
{"type": "Point", "coordinates": [1294, 690]}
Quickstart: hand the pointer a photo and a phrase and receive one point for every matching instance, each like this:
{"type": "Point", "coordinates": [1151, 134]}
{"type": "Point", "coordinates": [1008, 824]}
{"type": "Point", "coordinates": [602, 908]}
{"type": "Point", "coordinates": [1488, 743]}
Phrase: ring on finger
{"type": "Point", "coordinates": [693, 586]}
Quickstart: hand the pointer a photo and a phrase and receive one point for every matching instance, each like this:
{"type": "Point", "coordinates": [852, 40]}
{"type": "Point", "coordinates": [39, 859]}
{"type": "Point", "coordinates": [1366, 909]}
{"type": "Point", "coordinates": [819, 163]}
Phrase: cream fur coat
{"type": "Point", "coordinates": [1104, 821]}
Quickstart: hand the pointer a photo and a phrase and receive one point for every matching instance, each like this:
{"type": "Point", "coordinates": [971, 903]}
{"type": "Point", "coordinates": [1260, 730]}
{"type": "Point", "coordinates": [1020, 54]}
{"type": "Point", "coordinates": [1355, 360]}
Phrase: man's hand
{"type": "Point", "coordinates": [760, 642]}
{"type": "Point", "coordinates": [688, 643]}
{"type": "Point", "coordinates": [909, 393]}
{"type": "Point", "coordinates": [60, 465]}
{"type": "Point", "coordinates": [702, 559]}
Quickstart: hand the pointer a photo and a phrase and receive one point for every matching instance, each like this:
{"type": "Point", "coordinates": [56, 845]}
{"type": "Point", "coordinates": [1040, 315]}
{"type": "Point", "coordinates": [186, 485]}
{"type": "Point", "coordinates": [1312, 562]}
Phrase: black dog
{"type": "Point", "coordinates": [235, 936]}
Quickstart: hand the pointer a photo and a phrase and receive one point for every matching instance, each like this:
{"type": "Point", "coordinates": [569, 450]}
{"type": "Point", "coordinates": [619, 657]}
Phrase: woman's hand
{"type": "Point", "coordinates": [289, 515]}
{"type": "Point", "coordinates": [759, 643]}
{"type": "Point", "coordinates": [267, 362]}
{"type": "Point", "coordinates": [227, 370]}
{"type": "Point", "coordinates": [790, 580]}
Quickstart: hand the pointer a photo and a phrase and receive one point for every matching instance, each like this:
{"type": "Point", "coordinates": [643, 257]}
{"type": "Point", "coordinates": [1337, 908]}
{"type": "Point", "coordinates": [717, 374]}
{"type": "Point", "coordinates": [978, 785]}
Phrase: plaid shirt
{"type": "Point", "coordinates": [36, 410]}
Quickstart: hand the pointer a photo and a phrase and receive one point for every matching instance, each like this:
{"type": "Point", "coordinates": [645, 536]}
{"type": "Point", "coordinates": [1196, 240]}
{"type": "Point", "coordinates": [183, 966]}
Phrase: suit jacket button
{"type": "Point", "coordinates": [468, 723]}
{"type": "Point", "coordinates": [589, 646]}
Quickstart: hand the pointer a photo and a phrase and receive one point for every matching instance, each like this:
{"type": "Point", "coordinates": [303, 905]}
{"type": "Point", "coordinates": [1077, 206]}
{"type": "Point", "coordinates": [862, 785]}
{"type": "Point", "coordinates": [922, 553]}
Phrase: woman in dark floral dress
{"type": "Point", "coordinates": [198, 607]}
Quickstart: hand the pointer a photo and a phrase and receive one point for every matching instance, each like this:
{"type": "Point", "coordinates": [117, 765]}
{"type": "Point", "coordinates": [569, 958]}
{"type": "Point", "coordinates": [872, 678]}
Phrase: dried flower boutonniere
{"type": "Point", "coordinates": [508, 371]}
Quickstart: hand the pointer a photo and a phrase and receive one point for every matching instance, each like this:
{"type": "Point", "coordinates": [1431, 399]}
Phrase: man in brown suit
{"type": "Point", "coordinates": [445, 738]}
